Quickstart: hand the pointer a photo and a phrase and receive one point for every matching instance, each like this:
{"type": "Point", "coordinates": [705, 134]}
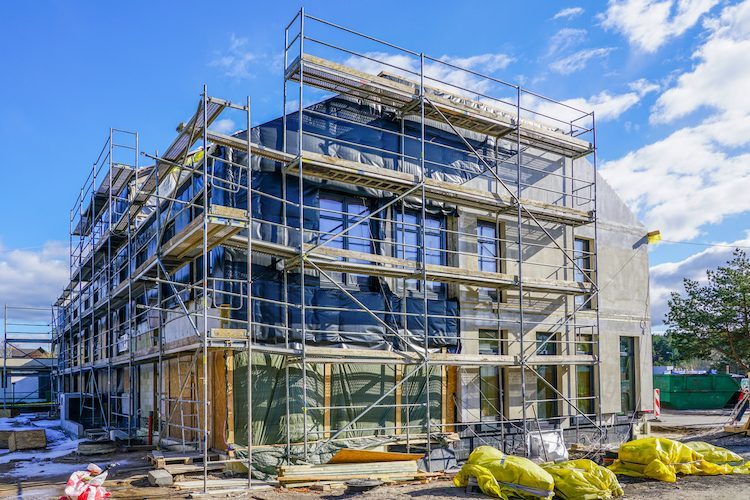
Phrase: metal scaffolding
{"type": "Point", "coordinates": [27, 359]}
{"type": "Point", "coordinates": [147, 322]}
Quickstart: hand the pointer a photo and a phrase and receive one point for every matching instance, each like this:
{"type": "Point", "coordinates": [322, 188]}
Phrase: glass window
{"type": "Point", "coordinates": [490, 379]}
{"type": "Point", "coordinates": [546, 406]}
{"type": "Point", "coordinates": [627, 374]}
{"type": "Point", "coordinates": [545, 347]}
{"type": "Point", "coordinates": [408, 238]}
{"type": "Point", "coordinates": [582, 270]}
{"type": "Point", "coordinates": [487, 247]}
{"type": "Point", "coordinates": [338, 213]}
{"type": "Point", "coordinates": [584, 343]}
{"type": "Point", "coordinates": [585, 388]}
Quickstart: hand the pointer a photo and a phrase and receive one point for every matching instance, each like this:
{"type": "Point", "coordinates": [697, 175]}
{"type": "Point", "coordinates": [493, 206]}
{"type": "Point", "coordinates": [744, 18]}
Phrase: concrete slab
{"type": "Point", "coordinates": [159, 477]}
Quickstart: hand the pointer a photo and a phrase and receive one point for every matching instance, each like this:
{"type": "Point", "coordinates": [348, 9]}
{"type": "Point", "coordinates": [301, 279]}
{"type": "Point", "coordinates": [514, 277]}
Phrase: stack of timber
{"type": "Point", "coordinates": [349, 465]}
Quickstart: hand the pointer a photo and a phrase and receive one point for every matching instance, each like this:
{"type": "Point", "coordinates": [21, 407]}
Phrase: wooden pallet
{"type": "Point", "coordinates": [190, 468]}
{"type": "Point", "coordinates": [160, 459]}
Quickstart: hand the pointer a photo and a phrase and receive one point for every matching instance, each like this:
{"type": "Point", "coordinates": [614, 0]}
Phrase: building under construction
{"type": "Point", "coordinates": [414, 256]}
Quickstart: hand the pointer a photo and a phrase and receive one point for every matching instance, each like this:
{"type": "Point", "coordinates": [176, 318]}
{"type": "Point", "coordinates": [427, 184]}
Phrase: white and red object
{"type": "Point", "coordinates": [86, 484]}
{"type": "Point", "coordinates": [657, 403]}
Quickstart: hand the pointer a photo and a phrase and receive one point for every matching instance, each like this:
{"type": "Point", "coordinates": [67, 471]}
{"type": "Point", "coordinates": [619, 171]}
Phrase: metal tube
{"type": "Point", "coordinates": [598, 387]}
{"type": "Point", "coordinates": [519, 221]}
{"type": "Point", "coordinates": [159, 299]}
{"type": "Point", "coordinates": [301, 188]}
{"type": "Point", "coordinates": [5, 356]}
{"type": "Point", "coordinates": [249, 264]}
{"type": "Point", "coordinates": [423, 217]}
{"type": "Point", "coordinates": [206, 193]}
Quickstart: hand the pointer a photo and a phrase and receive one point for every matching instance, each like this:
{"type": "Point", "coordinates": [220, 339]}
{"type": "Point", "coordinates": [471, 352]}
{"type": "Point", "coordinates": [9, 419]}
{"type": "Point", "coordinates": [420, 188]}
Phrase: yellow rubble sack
{"type": "Point", "coordinates": [502, 476]}
{"type": "Point", "coordinates": [583, 479]}
{"type": "Point", "coordinates": [714, 454]}
{"type": "Point", "coordinates": [663, 459]}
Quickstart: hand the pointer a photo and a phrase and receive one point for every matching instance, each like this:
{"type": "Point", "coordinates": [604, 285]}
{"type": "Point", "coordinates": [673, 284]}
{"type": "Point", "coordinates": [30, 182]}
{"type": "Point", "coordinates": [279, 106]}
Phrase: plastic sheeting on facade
{"type": "Point", "coordinates": [352, 387]}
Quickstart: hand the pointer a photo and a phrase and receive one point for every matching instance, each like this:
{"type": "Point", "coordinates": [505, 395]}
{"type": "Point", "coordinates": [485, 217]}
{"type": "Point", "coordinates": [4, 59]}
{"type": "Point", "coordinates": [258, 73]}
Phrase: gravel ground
{"type": "Point", "coordinates": [48, 479]}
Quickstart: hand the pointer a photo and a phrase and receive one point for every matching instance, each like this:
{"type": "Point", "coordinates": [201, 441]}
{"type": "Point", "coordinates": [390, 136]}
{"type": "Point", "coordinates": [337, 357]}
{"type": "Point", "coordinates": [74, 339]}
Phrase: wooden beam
{"type": "Point", "coordinates": [326, 401]}
{"type": "Point", "coordinates": [398, 395]}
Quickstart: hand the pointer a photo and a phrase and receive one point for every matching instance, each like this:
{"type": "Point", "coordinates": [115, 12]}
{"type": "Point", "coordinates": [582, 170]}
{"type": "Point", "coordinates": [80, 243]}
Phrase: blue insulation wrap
{"type": "Point", "coordinates": [332, 317]}
{"type": "Point", "coordinates": [442, 320]}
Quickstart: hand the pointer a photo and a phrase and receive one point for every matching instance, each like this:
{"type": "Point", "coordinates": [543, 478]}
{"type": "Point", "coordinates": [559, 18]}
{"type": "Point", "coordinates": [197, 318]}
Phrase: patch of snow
{"type": "Point", "coordinates": [34, 469]}
{"type": "Point", "coordinates": [53, 450]}
{"type": "Point", "coordinates": [46, 423]}
{"type": "Point", "coordinates": [20, 423]}
{"type": "Point", "coordinates": [58, 444]}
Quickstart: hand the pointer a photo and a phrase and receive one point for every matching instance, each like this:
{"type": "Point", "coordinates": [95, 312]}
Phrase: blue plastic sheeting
{"type": "Point", "coordinates": [332, 318]}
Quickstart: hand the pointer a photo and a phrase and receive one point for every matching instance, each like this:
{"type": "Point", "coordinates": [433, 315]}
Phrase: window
{"type": "Point", "coordinates": [585, 388]}
{"type": "Point", "coordinates": [488, 247]}
{"type": "Point", "coordinates": [546, 406]}
{"type": "Point", "coordinates": [627, 374]}
{"type": "Point", "coordinates": [490, 379]}
{"type": "Point", "coordinates": [338, 213]}
{"type": "Point", "coordinates": [489, 254]}
{"type": "Point", "coordinates": [408, 238]}
{"type": "Point", "coordinates": [584, 343]}
{"type": "Point", "coordinates": [583, 270]}
{"type": "Point", "coordinates": [546, 344]}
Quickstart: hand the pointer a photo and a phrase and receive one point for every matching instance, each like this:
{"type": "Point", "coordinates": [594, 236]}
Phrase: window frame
{"type": "Point", "coordinates": [553, 402]}
{"type": "Point", "coordinates": [491, 371]}
{"type": "Point", "coordinates": [344, 219]}
{"type": "Point", "coordinates": [584, 259]}
{"type": "Point", "coordinates": [402, 228]}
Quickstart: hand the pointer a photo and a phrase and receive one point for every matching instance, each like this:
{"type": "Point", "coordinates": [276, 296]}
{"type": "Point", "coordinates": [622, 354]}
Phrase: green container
{"type": "Point", "coordinates": [695, 392]}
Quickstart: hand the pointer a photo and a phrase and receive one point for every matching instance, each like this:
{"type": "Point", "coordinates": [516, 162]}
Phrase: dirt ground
{"type": "Point", "coordinates": [46, 479]}
{"type": "Point", "coordinates": [687, 488]}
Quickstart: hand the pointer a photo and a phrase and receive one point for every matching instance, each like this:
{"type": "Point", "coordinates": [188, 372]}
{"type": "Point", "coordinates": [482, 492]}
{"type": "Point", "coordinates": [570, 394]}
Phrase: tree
{"type": "Point", "coordinates": [712, 321]}
{"type": "Point", "coordinates": [664, 352]}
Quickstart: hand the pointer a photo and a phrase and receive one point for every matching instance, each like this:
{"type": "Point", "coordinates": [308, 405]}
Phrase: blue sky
{"type": "Point", "coordinates": [668, 80]}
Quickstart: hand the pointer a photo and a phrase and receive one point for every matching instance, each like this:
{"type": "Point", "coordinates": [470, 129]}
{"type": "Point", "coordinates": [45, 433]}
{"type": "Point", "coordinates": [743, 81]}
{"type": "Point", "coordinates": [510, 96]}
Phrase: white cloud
{"type": "Point", "coordinates": [648, 24]}
{"type": "Point", "coordinates": [235, 62]}
{"type": "Point", "coordinates": [224, 126]}
{"type": "Point", "coordinates": [578, 60]}
{"type": "Point", "coordinates": [721, 78]}
{"type": "Point", "coordinates": [439, 75]}
{"type": "Point", "coordinates": [606, 106]}
{"type": "Point", "coordinates": [667, 277]}
{"type": "Point", "coordinates": [569, 13]}
{"type": "Point", "coordinates": [565, 39]}
{"type": "Point", "coordinates": [33, 277]}
{"type": "Point", "coordinates": [699, 174]}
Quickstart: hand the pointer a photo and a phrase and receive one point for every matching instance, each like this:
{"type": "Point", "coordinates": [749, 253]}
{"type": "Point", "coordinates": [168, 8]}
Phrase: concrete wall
{"type": "Point", "coordinates": [623, 302]}
{"type": "Point", "coordinates": [624, 307]}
